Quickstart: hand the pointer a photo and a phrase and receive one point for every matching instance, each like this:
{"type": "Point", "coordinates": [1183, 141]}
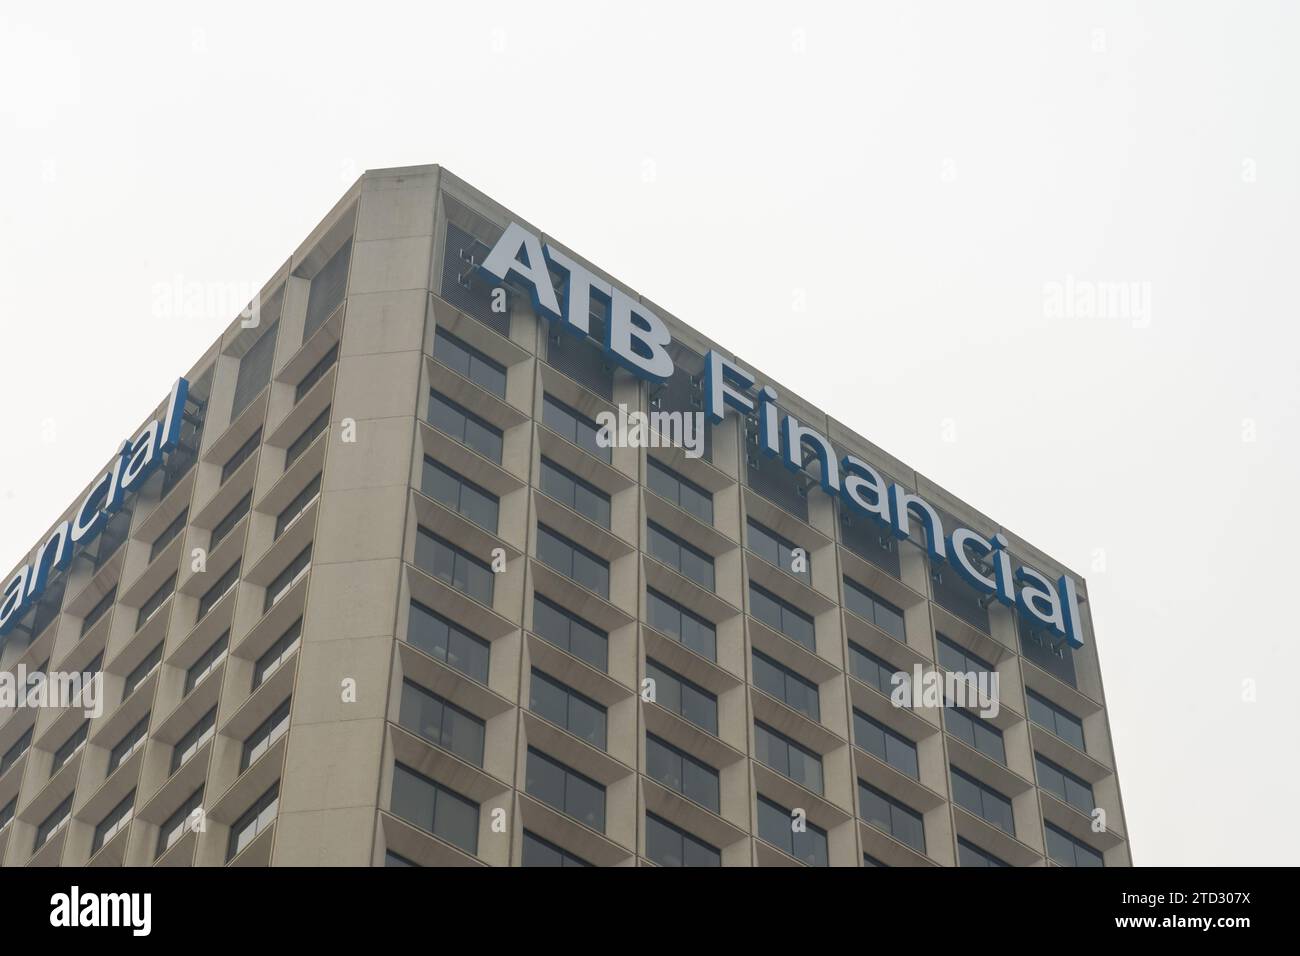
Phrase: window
{"type": "Point", "coordinates": [689, 629]}
{"type": "Point", "coordinates": [318, 372]}
{"type": "Point", "coordinates": [570, 632]}
{"type": "Point", "coordinates": [255, 820]}
{"type": "Point", "coordinates": [208, 660]}
{"type": "Point", "coordinates": [780, 615]}
{"type": "Point", "coordinates": [169, 534]}
{"type": "Point", "coordinates": [193, 739]}
{"type": "Point", "coordinates": [76, 740]}
{"type": "Point", "coordinates": [668, 845]}
{"type": "Point", "coordinates": [573, 561]}
{"type": "Point", "coordinates": [968, 854]}
{"type": "Point", "coordinates": [777, 551]}
{"type": "Point", "coordinates": [675, 693]}
{"type": "Point", "coordinates": [306, 439]}
{"type": "Point", "coordinates": [14, 753]}
{"type": "Point", "coordinates": [225, 584]}
{"type": "Point", "coordinates": [574, 426]}
{"type": "Point", "coordinates": [773, 677]}
{"type": "Point", "coordinates": [982, 800]}
{"type": "Point", "coordinates": [464, 426]}
{"type": "Point", "coordinates": [567, 488]}
{"type": "Point", "coordinates": [955, 658]}
{"type": "Point", "coordinates": [564, 706]}
{"type": "Point", "coordinates": [897, 819]}
{"type": "Point", "coordinates": [54, 822]}
{"type": "Point", "coordinates": [869, 860]}
{"type": "Point", "coordinates": [7, 813]}
{"type": "Point", "coordinates": [227, 524]}
{"type": "Point", "coordinates": [244, 453]}
{"type": "Point", "coordinates": [442, 722]}
{"type": "Point", "coordinates": [1056, 719]}
{"type": "Point", "coordinates": [775, 826]}
{"type": "Point", "coordinates": [277, 654]}
{"type": "Point", "coordinates": [787, 757]}
{"type": "Point", "coordinates": [254, 370]}
{"type": "Point", "coordinates": [873, 670]}
{"type": "Point", "coordinates": [565, 789]}
{"type": "Point", "coordinates": [131, 741]}
{"type": "Point", "coordinates": [1057, 780]}
{"type": "Point", "coordinates": [294, 572]}
{"type": "Point", "coordinates": [677, 770]}
{"type": "Point", "coordinates": [142, 670]}
{"type": "Point", "coordinates": [174, 827]}
{"type": "Point", "coordinates": [444, 560]}
{"type": "Point", "coordinates": [327, 289]}
{"type": "Point", "coordinates": [447, 641]}
{"type": "Point", "coordinates": [99, 610]}
{"type": "Point", "coordinates": [293, 511]}
{"type": "Point", "coordinates": [887, 744]}
{"type": "Point", "coordinates": [264, 737]}
{"type": "Point", "coordinates": [397, 860]}
{"type": "Point", "coordinates": [687, 495]}
{"type": "Point", "coordinates": [460, 495]}
{"type": "Point", "coordinates": [469, 362]}
{"type": "Point", "coordinates": [976, 732]}
{"type": "Point", "coordinates": [872, 607]}
{"type": "Point", "coordinates": [113, 823]}
{"type": "Point", "coordinates": [155, 602]}
{"type": "Point", "coordinates": [687, 559]}
{"type": "Point", "coordinates": [539, 852]}
{"type": "Point", "coordinates": [435, 808]}
{"type": "Point", "coordinates": [1069, 851]}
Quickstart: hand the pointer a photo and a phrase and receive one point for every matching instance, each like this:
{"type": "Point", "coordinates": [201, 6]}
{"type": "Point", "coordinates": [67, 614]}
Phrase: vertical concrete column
{"type": "Point", "coordinates": [337, 733]}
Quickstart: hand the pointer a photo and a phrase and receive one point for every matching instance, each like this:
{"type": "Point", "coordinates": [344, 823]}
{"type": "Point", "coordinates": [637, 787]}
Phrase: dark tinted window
{"type": "Point", "coordinates": [668, 845]}
{"type": "Point", "coordinates": [573, 561]}
{"type": "Point", "coordinates": [442, 722]}
{"type": "Point", "coordinates": [773, 677]}
{"type": "Point", "coordinates": [680, 696]}
{"type": "Point", "coordinates": [568, 488]}
{"type": "Point", "coordinates": [870, 606]}
{"type": "Point", "coordinates": [887, 744]}
{"type": "Point", "coordinates": [1056, 779]}
{"type": "Point", "coordinates": [895, 818]}
{"type": "Point", "coordinates": [774, 749]}
{"type": "Point", "coordinates": [442, 638]}
{"type": "Point", "coordinates": [254, 370]}
{"type": "Point", "coordinates": [779, 552]}
{"type": "Point", "coordinates": [245, 452]}
{"type": "Point", "coordinates": [776, 825]}
{"type": "Point", "coordinates": [318, 372]}
{"type": "Point", "coordinates": [968, 854]}
{"type": "Point", "coordinates": [562, 705]}
{"type": "Point", "coordinates": [671, 619]}
{"type": "Point", "coordinates": [665, 546]}
{"type": "Point", "coordinates": [539, 852]}
{"type": "Point", "coordinates": [565, 789]}
{"type": "Point", "coordinates": [435, 808]}
{"type": "Point", "coordinates": [169, 534]}
{"type": "Point", "coordinates": [687, 495]}
{"type": "Point", "coordinates": [327, 289]}
{"type": "Point", "coordinates": [470, 362]}
{"type": "Point", "coordinates": [975, 732]}
{"type": "Point", "coordinates": [286, 518]}
{"type": "Point", "coordinates": [460, 494]}
{"type": "Point", "coordinates": [566, 630]}
{"type": "Point", "coordinates": [781, 615]}
{"type": "Point", "coordinates": [982, 800]}
{"type": "Point", "coordinates": [442, 559]}
{"type": "Point", "coordinates": [1069, 851]}
{"type": "Point", "coordinates": [307, 438]}
{"type": "Point", "coordinates": [227, 524]}
{"type": "Point", "coordinates": [574, 426]}
{"type": "Point", "coordinates": [464, 426]}
{"type": "Point", "coordinates": [873, 670]}
{"type": "Point", "coordinates": [678, 770]}
{"type": "Point", "coordinates": [223, 586]}
{"type": "Point", "coordinates": [1056, 719]}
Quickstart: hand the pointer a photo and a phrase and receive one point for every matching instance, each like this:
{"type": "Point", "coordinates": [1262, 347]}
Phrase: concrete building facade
{"type": "Point", "coordinates": [391, 602]}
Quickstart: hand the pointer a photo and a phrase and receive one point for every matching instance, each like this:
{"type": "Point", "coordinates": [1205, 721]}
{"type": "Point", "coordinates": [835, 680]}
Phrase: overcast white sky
{"type": "Point", "coordinates": [921, 176]}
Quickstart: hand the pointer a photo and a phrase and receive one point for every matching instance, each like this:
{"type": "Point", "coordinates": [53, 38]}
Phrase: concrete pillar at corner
{"type": "Point", "coordinates": [336, 743]}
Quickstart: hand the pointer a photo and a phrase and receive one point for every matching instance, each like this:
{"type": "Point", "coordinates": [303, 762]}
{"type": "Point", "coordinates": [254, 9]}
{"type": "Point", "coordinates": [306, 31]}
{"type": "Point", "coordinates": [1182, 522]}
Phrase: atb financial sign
{"type": "Point", "coordinates": [638, 340]}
